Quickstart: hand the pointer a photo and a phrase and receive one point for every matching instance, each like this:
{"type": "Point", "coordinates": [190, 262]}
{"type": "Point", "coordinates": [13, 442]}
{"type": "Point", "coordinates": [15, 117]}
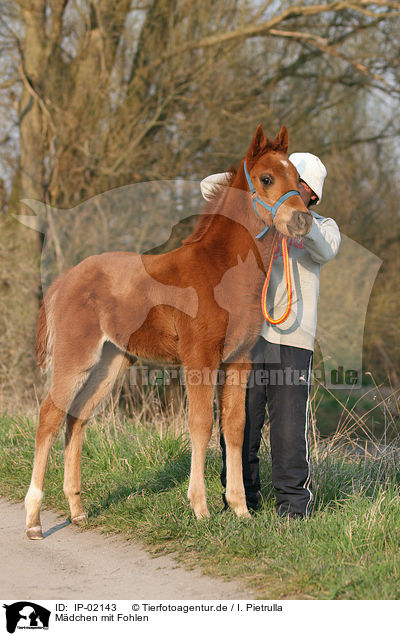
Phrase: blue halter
{"type": "Point", "coordinates": [272, 208]}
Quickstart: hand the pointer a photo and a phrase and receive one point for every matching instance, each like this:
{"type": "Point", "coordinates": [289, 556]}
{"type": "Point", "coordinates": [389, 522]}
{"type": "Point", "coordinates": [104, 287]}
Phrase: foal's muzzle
{"type": "Point", "coordinates": [300, 223]}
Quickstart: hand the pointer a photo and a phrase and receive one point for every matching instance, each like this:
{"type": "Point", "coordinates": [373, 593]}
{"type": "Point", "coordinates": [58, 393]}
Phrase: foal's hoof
{"type": "Point", "coordinates": [241, 511]}
{"type": "Point", "coordinates": [244, 514]}
{"type": "Point", "coordinates": [34, 533]}
{"type": "Point", "coordinates": [80, 520]}
{"type": "Point", "coordinates": [202, 515]}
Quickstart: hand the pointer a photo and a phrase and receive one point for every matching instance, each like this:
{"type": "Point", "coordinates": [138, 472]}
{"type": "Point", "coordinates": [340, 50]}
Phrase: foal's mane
{"type": "Point", "coordinates": [260, 146]}
{"type": "Point", "coordinates": [210, 208]}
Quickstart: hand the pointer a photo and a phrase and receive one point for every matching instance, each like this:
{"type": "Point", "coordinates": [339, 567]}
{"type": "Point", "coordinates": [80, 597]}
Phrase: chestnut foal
{"type": "Point", "coordinates": [197, 306]}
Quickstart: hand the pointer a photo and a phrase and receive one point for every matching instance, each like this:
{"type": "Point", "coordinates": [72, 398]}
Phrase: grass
{"type": "Point", "coordinates": [135, 478]}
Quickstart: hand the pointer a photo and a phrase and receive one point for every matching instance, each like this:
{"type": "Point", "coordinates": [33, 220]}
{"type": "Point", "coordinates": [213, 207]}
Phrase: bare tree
{"type": "Point", "coordinates": [99, 94]}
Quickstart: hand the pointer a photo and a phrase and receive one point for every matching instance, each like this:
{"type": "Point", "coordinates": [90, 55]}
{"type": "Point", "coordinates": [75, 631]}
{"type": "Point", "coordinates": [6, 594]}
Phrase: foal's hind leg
{"type": "Point", "coordinates": [201, 399]}
{"type": "Point", "coordinates": [70, 372]}
{"type": "Point", "coordinates": [96, 389]}
{"type": "Point", "coordinates": [74, 431]}
{"type": "Point", "coordinates": [52, 413]}
{"type": "Point", "coordinates": [50, 420]}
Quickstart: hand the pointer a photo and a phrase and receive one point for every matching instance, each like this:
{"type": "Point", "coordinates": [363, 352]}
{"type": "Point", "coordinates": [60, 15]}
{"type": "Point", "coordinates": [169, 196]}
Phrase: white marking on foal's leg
{"type": "Point", "coordinates": [33, 500]}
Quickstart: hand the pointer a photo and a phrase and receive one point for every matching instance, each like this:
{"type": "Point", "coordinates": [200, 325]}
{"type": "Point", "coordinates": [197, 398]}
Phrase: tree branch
{"type": "Point", "coordinates": [323, 45]}
{"type": "Point", "coordinates": [256, 30]}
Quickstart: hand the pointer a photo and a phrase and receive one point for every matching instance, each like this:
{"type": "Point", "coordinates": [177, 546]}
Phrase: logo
{"type": "Point", "coordinates": [26, 615]}
{"type": "Point", "coordinates": [291, 242]}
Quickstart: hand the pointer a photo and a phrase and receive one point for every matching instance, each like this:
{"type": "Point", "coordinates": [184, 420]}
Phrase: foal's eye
{"type": "Point", "coordinates": [267, 179]}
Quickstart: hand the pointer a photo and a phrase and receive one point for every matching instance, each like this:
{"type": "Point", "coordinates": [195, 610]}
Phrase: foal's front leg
{"type": "Point", "coordinates": [232, 407]}
{"type": "Point", "coordinates": [201, 399]}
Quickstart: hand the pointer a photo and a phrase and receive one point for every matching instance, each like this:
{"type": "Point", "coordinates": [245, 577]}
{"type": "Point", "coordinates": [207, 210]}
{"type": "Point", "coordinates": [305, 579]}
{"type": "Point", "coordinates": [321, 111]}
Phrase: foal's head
{"type": "Point", "coordinates": [272, 176]}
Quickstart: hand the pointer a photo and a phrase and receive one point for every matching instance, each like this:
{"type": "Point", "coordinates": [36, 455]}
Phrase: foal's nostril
{"type": "Point", "coordinates": [301, 219]}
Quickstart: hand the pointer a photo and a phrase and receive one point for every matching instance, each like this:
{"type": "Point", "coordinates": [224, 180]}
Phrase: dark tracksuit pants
{"type": "Point", "coordinates": [281, 379]}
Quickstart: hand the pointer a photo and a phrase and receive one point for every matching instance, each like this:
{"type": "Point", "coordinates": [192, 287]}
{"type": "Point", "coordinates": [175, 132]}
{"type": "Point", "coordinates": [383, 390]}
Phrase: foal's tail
{"type": "Point", "coordinates": [45, 328]}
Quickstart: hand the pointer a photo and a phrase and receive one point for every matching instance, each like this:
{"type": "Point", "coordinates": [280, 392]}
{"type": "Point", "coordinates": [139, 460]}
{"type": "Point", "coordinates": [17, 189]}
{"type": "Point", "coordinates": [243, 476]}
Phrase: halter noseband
{"type": "Point", "coordinates": [272, 208]}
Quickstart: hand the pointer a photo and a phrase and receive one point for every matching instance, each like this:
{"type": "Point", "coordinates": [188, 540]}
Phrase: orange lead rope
{"type": "Point", "coordinates": [285, 256]}
{"type": "Point", "coordinates": [273, 209]}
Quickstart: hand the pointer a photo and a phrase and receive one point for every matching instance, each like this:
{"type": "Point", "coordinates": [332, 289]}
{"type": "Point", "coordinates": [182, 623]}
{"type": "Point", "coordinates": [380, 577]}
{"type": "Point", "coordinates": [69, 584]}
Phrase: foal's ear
{"type": "Point", "coordinates": [258, 143]}
{"type": "Point", "coordinates": [282, 139]}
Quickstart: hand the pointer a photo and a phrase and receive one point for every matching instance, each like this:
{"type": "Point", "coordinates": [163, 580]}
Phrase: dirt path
{"type": "Point", "coordinates": [69, 564]}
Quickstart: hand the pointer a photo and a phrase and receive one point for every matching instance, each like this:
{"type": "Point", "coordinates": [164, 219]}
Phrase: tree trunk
{"type": "Point", "coordinates": [20, 270]}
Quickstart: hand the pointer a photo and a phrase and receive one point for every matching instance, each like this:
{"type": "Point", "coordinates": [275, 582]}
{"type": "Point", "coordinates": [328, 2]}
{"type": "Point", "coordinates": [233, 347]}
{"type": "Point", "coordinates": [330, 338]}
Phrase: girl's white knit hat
{"type": "Point", "coordinates": [311, 170]}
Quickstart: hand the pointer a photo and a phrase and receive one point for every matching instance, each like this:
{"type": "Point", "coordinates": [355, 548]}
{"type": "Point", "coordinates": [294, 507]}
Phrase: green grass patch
{"type": "Point", "coordinates": [134, 483]}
